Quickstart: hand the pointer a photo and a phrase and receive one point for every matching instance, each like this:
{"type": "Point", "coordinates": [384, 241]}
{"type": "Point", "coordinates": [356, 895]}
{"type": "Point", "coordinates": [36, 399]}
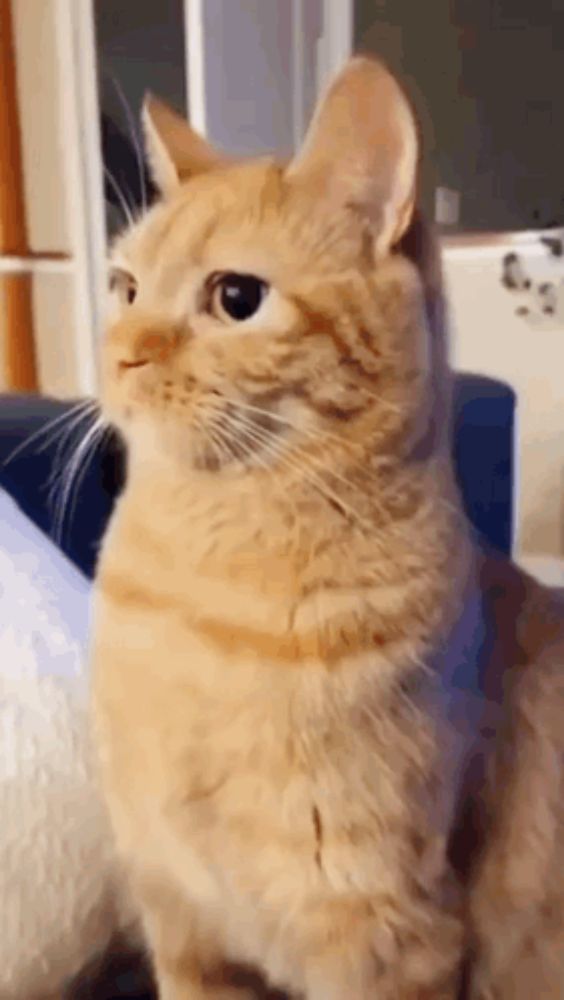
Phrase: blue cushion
{"type": "Point", "coordinates": [483, 424]}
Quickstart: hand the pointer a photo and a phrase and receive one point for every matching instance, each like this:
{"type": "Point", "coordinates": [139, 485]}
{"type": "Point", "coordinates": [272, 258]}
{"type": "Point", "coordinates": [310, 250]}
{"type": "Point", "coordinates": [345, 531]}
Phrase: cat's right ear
{"type": "Point", "coordinates": [174, 150]}
{"type": "Point", "coordinates": [361, 151]}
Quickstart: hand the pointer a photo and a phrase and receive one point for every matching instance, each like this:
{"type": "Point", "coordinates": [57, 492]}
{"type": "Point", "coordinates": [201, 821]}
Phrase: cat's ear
{"type": "Point", "coordinates": [361, 151]}
{"type": "Point", "coordinates": [174, 150]}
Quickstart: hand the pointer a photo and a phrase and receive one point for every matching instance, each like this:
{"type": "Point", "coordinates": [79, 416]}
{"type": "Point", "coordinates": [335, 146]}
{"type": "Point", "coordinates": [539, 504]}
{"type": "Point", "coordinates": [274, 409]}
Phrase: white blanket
{"type": "Point", "coordinates": [59, 901]}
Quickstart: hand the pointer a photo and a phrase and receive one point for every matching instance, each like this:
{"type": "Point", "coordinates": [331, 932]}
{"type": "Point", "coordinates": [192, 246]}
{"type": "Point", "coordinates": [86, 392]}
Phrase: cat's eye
{"type": "Point", "coordinates": [123, 284]}
{"type": "Point", "coordinates": [235, 297]}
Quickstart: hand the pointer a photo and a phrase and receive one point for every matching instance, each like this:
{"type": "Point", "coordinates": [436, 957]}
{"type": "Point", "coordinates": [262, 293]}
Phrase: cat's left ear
{"type": "Point", "coordinates": [361, 151]}
{"type": "Point", "coordinates": [175, 151]}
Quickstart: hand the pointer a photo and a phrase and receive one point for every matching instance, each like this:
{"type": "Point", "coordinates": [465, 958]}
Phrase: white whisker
{"type": "Point", "coordinates": [134, 137]}
{"type": "Point", "coordinates": [97, 440]}
{"type": "Point", "coordinates": [210, 439]}
{"type": "Point", "coordinates": [125, 206]}
{"type": "Point", "coordinates": [280, 451]}
{"type": "Point", "coordinates": [278, 418]}
{"type": "Point", "coordinates": [316, 460]}
{"type": "Point", "coordinates": [218, 444]}
{"type": "Point", "coordinates": [393, 407]}
{"type": "Point", "coordinates": [65, 445]}
{"type": "Point", "coordinates": [312, 460]}
{"type": "Point", "coordinates": [79, 456]}
{"type": "Point", "coordinates": [74, 415]}
{"type": "Point", "coordinates": [231, 443]}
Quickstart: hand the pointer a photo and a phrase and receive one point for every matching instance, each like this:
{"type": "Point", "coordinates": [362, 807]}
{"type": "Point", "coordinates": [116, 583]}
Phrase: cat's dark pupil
{"type": "Point", "coordinates": [131, 293]}
{"type": "Point", "coordinates": [241, 295]}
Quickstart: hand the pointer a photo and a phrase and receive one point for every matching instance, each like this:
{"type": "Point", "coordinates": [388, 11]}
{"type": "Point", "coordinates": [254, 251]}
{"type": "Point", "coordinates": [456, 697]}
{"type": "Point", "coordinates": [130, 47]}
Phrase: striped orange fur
{"type": "Point", "coordinates": [288, 592]}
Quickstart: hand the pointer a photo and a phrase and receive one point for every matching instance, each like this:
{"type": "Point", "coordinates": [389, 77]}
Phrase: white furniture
{"type": "Point", "coordinates": [60, 897]}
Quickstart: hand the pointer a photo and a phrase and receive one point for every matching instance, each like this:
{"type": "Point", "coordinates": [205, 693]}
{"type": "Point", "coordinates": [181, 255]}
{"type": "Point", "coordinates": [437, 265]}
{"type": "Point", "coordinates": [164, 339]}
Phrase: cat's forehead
{"type": "Point", "coordinates": [237, 205]}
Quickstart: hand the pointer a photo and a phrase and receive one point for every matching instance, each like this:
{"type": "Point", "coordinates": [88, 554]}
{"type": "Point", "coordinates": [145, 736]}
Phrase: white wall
{"type": "Point", "coordinates": [259, 67]}
{"type": "Point", "coordinates": [487, 337]}
{"type": "Point", "coordinates": [248, 75]}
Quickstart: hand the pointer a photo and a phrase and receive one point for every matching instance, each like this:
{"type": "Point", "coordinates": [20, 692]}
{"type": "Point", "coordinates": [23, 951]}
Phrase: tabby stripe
{"type": "Point", "coordinates": [344, 639]}
{"type": "Point", "coordinates": [368, 358]}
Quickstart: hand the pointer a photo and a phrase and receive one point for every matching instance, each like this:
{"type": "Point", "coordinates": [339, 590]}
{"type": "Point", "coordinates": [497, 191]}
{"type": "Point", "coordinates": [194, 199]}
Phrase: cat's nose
{"type": "Point", "coordinates": [155, 346]}
{"type": "Point", "coordinates": [148, 344]}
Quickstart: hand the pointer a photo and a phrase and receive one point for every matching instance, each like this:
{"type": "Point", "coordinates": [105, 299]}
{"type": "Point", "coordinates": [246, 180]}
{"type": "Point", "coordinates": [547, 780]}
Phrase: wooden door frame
{"type": "Point", "coordinates": [19, 364]}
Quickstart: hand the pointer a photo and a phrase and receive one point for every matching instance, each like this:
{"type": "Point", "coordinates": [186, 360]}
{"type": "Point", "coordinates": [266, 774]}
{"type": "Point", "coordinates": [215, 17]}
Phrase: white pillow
{"type": "Point", "coordinates": [59, 896]}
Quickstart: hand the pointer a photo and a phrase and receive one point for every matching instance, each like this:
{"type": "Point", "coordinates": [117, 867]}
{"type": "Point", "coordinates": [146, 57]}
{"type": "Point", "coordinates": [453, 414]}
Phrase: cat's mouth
{"type": "Point", "coordinates": [124, 364]}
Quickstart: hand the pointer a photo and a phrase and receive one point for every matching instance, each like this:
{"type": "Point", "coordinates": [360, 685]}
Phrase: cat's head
{"type": "Point", "coordinates": [261, 308]}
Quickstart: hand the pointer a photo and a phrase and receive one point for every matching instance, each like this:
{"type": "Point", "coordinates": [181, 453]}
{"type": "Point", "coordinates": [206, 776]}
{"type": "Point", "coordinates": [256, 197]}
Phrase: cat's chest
{"type": "Point", "coordinates": [216, 730]}
{"type": "Point", "coordinates": [176, 690]}
{"type": "Point", "coordinates": [202, 750]}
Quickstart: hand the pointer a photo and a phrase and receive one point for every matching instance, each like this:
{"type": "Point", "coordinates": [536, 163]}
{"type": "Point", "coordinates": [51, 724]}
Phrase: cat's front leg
{"type": "Point", "coordinates": [185, 950]}
{"type": "Point", "coordinates": [362, 949]}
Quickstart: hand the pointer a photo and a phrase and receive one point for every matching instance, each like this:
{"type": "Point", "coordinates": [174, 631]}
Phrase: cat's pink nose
{"type": "Point", "coordinates": [156, 346]}
{"type": "Point", "coordinates": [144, 344]}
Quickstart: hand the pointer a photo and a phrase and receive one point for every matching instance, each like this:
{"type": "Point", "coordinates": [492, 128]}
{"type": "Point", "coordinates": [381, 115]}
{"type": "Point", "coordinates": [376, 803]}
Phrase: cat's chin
{"type": "Point", "coordinates": [232, 438]}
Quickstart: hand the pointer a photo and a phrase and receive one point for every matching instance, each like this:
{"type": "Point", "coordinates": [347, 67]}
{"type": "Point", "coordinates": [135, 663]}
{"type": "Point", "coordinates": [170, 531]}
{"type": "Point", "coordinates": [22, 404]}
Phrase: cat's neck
{"type": "Point", "coordinates": [346, 500]}
{"type": "Point", "coordinates": [269, 533]}
{"type": "Point", "coordinates": [257, 562]}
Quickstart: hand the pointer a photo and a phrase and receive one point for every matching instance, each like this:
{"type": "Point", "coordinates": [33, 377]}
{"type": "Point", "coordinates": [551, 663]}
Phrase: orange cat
{"type": "Point", "coordinates": [295, 648]}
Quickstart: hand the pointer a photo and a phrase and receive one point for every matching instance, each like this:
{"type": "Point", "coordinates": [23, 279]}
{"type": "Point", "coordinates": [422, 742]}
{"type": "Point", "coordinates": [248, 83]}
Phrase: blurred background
{"type": "Point", "coordinates": [487, 81]}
